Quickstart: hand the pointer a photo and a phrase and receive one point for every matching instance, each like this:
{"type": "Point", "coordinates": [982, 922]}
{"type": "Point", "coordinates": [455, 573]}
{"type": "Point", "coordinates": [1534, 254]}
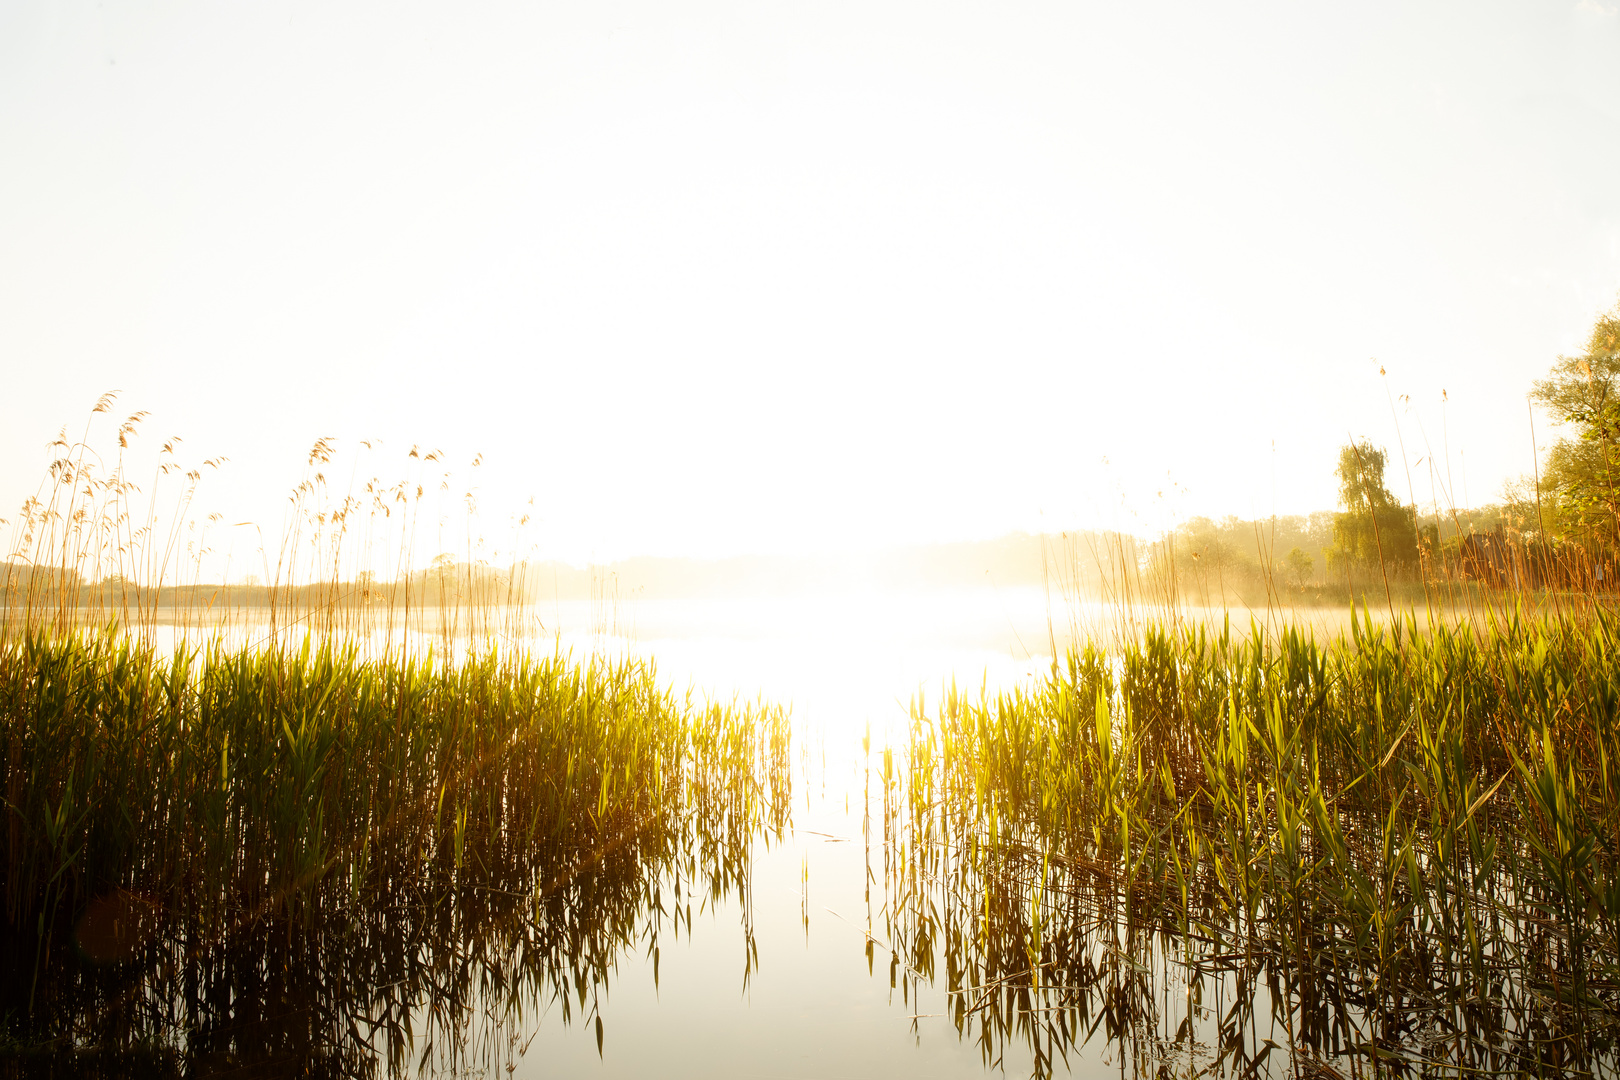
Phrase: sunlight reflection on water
{"type": "Point", "coordinates": [810, 1006]}
{"type": "Point", "coordinates": [804, 1002]}
{"type": "Point", "coordinates": [846, 660]}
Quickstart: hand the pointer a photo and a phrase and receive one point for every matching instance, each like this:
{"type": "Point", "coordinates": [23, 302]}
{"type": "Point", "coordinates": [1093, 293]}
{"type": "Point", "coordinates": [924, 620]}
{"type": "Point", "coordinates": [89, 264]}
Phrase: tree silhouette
{"type": "Point", "coordinates": [1373, 528]}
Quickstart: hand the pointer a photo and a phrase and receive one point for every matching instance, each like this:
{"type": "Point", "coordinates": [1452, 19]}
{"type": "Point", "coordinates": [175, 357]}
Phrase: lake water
{"type": "Point", "coordinates": [811, 981]}
{"type": "Point", "coordinates": [848, 660]}
{"type": "Point", "coordinates": [799, 970]}
{"type": "Point", "coordinates": [808, 1000]}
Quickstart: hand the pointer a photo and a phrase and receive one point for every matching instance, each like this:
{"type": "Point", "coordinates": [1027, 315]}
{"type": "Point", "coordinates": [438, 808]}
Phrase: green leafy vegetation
{"type": "Point", "coordinates": [1394, 851]}
{"type": "Point", "coordinates": [1389, 852]}
{"type": "Point", "coordinates": [1374, 530]}
{"type": "Point", "coordinates": [267, 857]}
{"type": "Point", "coordinates": [1580, 479]}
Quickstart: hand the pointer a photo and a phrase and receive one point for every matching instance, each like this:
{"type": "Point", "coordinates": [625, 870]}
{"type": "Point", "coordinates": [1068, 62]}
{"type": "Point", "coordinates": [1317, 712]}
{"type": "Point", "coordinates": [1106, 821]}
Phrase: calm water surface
{"type": "Point", "coordinates": [810, 998]}
{"type": "Point", "coordinates": [793, 973]}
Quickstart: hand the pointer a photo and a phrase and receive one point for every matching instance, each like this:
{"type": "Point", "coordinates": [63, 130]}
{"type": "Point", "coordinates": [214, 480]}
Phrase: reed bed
{"type": "Point", "coordinates": [353, 810]}
{"type": "Point", "coordinates": [246, 859]}
{"type": "Point", "coordinates": [1389, 853]}
{"type": "Point", "coordinates": [328, 849]}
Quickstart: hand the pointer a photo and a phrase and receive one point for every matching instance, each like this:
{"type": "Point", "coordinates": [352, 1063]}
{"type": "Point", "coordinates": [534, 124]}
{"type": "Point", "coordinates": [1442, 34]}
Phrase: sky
{"type": "Point", "coordinates": [711, 278]}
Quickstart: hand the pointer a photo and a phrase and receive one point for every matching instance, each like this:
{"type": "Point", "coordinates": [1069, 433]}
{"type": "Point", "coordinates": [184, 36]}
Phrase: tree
{"type": "Point", "coordinates": [1374, 527]}
{"type": "Point", "coordinates": [1300, 565]}
{"type": "Point", "coordinates": [1206, 544]}
{"type": "Point", "coordinates": [1582, 475]}
{"type": "Point", "coordinates": [442, 572]}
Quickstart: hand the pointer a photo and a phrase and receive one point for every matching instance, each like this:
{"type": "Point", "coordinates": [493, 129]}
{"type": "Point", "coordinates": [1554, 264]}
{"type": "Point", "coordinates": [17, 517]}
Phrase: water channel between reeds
{"type": "Point", "coordinates": [842, 934]}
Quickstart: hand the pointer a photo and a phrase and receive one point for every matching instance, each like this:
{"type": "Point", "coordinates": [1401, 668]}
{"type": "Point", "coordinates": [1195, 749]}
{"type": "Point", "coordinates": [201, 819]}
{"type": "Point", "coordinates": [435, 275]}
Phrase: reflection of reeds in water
{"type": "Point", "coordinates": [1393, 853]}
{"type": "Point", "coordinates": [258, 857]}
{"type": "Point", "coordinates": [326, 849]}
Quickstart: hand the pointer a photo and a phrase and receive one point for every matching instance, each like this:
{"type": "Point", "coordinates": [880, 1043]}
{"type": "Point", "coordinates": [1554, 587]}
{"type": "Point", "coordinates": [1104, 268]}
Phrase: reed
{"type": "Point", "coordinates": [116, 533]}
{"type": "Point", "coordinates": [163, 812]}
{"type": "Point", "coordinates": [344, 811]}
{"type": "Point", "coordinates": [1392, 851]}
{"type": "Point", "coordinates": [1396, 847]}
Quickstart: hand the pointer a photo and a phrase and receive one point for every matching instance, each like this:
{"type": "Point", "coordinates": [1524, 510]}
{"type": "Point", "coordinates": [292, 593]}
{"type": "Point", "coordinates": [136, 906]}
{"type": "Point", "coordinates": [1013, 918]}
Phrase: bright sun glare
{"type": "Point", "coordinates": [706, 279]}
{"type": "Point", "coordinates": [827, 538]}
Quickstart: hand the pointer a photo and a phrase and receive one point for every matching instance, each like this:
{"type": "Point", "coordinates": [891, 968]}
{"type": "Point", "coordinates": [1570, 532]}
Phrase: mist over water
{"type": "Point", "coordinates": [847, 661]}
{"type": "Point", "coordinates": [807, 945]}
{"type": "Point", "coordinates": [807, 996]}
{"type": "Point", "coordinates": [722, 539]}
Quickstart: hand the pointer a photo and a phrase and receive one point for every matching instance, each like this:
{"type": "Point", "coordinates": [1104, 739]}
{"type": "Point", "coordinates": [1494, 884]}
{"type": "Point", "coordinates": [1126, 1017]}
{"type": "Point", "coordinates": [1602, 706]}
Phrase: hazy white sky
{"type": "Point", "coordinates": [717, 277]}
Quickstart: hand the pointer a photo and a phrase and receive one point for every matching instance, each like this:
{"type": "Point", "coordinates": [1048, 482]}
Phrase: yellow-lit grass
{"type": "Point", "coordinates": [312, 790]}
{"type": "Point", "coordinates": [1406, 835]}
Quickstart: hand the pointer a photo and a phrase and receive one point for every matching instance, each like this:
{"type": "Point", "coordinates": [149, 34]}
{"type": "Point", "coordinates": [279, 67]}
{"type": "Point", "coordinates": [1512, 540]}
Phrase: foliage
{"type": "Point", "coordinates": [201, 843]}
{"type": "Point", "coordinates": [1299, 565]}
{"type": "Point", "coordinates": [1374, 529]}
{"type": "Point", "coordinates": [1209, 554]}
{"type": "Point", "coordinates": [1582, 474]}
{"type": "Point", "coordinates": [1401, 838]}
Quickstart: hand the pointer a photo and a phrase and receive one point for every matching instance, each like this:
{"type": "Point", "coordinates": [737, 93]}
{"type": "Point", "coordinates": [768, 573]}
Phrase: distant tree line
{"type": "Point", "coordinates": [1558, 529]}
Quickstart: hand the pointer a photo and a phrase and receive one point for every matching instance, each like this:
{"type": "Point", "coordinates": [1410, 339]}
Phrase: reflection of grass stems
{"type": "Point", "coordinates": [359, 825]}
{"type": "Point", "coordinates": [265, 785]}
{"type": "Point", "coordinates": [1407, 831]}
